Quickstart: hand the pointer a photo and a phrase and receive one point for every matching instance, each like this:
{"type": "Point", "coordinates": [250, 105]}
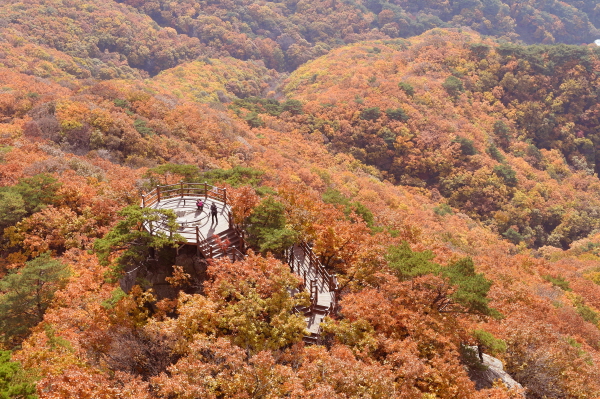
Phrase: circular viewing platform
{"type": "Point", "coordinates": [195, 225]}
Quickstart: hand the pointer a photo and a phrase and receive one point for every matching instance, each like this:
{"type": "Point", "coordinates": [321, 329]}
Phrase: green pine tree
{"type": "Point", "coordinates": [14, 384]}
{"type": "Point", "coordinates": [141, 231]}
{"type": "Point", "coordinates": [27, 293]}
{"type": "Point", "coordinates": [267, 227]}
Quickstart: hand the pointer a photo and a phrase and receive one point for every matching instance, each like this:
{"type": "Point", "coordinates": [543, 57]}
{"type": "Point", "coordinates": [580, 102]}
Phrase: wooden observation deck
{"type": "Point", "coordinates": [212, 240]}
{"type": "Point", "coordinates": [224, 238]}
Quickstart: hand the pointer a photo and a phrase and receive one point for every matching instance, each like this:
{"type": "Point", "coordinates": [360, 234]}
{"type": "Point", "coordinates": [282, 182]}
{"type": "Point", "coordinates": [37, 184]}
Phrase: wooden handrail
{"type": "Point", "coordinates": [314, 292]}
{"type": "Point", "coordinates": [319, 268]}
{"type": "Point", "coordinates": [180, 189]}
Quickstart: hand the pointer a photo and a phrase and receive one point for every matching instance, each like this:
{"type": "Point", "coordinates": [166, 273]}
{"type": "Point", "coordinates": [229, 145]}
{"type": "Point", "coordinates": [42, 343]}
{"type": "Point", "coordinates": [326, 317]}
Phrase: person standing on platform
{"type": "Point", "coordinates": [200, 205]}
{"type": "Point", "coordinates": [213, 213]}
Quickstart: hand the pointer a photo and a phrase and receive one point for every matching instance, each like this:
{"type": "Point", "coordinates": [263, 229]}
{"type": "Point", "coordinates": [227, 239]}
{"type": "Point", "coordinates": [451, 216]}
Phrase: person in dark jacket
{"type": "Point", "coordinates": [213, 213]}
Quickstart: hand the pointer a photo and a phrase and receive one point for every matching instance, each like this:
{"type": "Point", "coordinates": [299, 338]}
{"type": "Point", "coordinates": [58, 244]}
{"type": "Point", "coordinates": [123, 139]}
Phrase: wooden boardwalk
{"type": "Point", "coordinates": [322, 286]}
{"type": "Point", "coordinates": [215, 239]}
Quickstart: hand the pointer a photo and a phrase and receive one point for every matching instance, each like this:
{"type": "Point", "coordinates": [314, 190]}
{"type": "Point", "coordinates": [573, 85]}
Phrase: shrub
{"type": "Point", "coordinates": [487, 340]}
{"type": "Point", "coordinates": [292, 106]}
{"type": "Point", "coordinates": [407, 88]}
{"type": "Point", "coordinates": [495, 153]}
{"type": "Point", "coordinates": [466, 145]}
{"type": "Point", "coordinates": [370, 114]}
{"type": "Point", "coordinates": [253, 119]}
{"type": "Point", "coordinates": [453, 86]}
{"type": "Point", "coordinates": [121, 103]}
{"type": "Point", "coordinates": [557, 282]}
{"type": "Point", "coordinates": [141, 126]}
{"type": "Point", "coordinates": [588, 314]}
{"type": "Point", "coordinates": [397, 114]}
{"type": "Point", "coordinates": [506, 173]}
{"type": "Point", "coordinates": [443, 209]}
{"type": "Point", "coordinates": [267, 227]}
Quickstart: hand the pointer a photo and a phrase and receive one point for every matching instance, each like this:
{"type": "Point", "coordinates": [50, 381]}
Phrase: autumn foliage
{"type": "Point", "coordinates": [447, 180]}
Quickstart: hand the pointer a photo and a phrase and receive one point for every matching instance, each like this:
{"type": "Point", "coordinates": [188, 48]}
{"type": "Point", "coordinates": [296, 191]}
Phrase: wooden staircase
{"type": "Point", "coordinates": [322, 286]}
{"type": "Point", "coordinates": [228, 243]}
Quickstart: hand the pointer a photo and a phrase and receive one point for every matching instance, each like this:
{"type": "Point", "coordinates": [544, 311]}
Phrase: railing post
{"type": "Point", "coordinates": [229, 217]}
{"type": "Point", "coordinates": [225, 196]}
{"type": "Point", "coordinates": [205, 191]}
{"type": "Point", "coordinates": [304, 282]}
{"type": "Point", "coordinates": [181, 185]}
{"type": "Point", "coordinates": [158, 193]}
{"type": "Point", "coordinates": [243, 243]}
{"type": "Point", "coordinates": [334, 303]}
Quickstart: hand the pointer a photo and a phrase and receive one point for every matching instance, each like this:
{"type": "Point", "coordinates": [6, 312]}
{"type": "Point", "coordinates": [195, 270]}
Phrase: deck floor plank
{"type": "Point", "coordinates": [188, 216]}
{"type": "Point", "coordinates": [325, 297]}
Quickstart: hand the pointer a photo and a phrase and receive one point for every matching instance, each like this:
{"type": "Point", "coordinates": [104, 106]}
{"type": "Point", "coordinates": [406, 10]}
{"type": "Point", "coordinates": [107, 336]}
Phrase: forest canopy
{"type": "Point", "coordinates": [438, 159]}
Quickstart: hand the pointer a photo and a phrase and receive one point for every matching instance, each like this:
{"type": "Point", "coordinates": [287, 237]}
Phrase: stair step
{"type": "Point", "coordinates": [310, 339]}
{"type": "Point", "coordinates": [215, 241]}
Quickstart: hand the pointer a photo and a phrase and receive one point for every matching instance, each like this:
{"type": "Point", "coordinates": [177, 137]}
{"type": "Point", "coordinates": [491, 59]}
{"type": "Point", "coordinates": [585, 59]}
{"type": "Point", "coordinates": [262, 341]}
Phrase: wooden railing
{"type": "Point", "coordinates": [202, 244]}
{"type": "Point", "coordinates": [235, 253]}
{"type": "Point", "coordinates": [321, 273]}
{"type": "Point", "coordinates": [191, 228]}
{"type": "Point", "coordinates": [180, 190]}
{"type": "Point", "coordinates": [197, 190]}
{"type": "Point", "coordinates": [316, 265]}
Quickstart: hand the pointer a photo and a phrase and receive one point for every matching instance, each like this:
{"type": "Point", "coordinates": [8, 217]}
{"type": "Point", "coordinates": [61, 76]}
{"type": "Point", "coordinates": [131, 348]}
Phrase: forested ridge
{"type": "Point", "coordinates": [440, 157]}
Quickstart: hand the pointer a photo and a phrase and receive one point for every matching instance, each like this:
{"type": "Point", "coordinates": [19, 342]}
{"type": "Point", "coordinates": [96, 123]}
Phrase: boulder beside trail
{"type": "Point", "coordinates": [492, 371]}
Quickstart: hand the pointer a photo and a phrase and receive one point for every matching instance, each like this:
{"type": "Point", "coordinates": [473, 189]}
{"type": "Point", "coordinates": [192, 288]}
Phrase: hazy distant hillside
{"type": "Point", "coordinates": [105, 31]}
{"type": "Point", "coordinates": [287, 34]}
{"type": "Point", "coordinates": [490, 127]}
{"type": "Point", "coordinates": [161, 34]}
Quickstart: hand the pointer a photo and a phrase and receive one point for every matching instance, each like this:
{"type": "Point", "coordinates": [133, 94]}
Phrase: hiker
{"type": "Point", "coordinates": [200, 205]}
{"type": "Point", "coordinates": [213, 213]}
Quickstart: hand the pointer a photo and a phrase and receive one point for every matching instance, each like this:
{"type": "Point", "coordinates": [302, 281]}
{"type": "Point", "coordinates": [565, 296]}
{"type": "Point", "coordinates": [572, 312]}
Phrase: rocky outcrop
{"type": "Point", "coordinates": [490, 371]}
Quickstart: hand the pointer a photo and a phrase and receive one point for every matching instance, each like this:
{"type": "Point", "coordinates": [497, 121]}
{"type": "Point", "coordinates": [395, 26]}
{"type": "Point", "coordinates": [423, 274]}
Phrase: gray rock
{"type": "Point", "coordinates": [492, 370]}
{"type": "Point", "coordinates": [496, 371]}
